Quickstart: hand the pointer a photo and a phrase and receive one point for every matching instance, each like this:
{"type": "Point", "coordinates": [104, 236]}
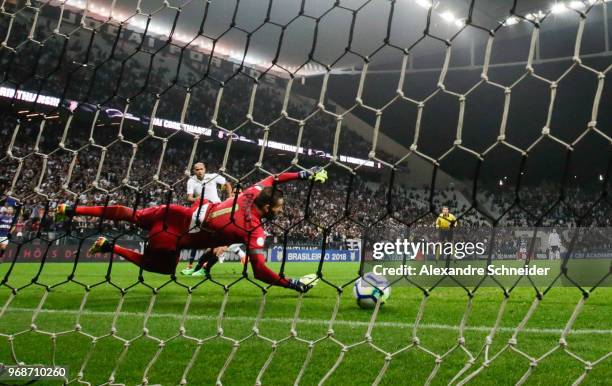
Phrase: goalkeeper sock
{"type": "Point", "coordinates": [129, 254]}
{"type": "Point", "coordinates": [192, 256]}
{"type": "Point", "coordinates": [209, 264]}
{"type": "Point", "coordinates": [114, 212]}
{"type": "Point", "coordinates": [203, 259]}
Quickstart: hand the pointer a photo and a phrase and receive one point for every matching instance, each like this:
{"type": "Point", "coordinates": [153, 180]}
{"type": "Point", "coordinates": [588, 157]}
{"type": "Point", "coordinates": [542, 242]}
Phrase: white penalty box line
{"type": "Point", "coordinates": [321, 322]}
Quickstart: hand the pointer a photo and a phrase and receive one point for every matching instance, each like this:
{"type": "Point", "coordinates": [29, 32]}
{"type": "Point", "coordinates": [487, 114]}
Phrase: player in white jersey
{"type": "Point", "coordinates": [202, 183]}
{"type": "Point", "coordinates": [554, 245]}
{"type": "Point", "coordinates": [206, 182]}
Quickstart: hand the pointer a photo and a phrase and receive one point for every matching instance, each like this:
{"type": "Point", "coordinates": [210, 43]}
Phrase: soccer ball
{"type": "Point", "coordinates": [371, 288]}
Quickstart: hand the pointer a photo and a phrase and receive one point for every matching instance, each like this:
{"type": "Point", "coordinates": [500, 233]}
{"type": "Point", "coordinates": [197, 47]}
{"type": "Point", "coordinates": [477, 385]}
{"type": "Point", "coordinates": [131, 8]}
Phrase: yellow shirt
{"type": "Point", "coordinates": [445, 222]}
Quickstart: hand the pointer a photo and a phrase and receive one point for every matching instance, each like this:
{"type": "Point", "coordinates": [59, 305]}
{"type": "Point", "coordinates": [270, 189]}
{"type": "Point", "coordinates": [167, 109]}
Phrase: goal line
{"type": "Point", "coordinates": [317, 322]}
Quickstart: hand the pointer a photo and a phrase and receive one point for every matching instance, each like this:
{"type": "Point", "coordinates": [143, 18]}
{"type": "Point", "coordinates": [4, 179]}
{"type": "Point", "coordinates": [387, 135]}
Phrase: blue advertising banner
{"type": "Point", "coordinates": [314, 255]}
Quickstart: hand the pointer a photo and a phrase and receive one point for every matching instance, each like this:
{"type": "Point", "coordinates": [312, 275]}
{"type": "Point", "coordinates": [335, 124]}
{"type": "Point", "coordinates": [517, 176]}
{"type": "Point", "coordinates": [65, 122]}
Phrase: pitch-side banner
{"type": "Point", "coordinates": [304, 255]}
{"type": "Point", "coordinates": [62, 253]}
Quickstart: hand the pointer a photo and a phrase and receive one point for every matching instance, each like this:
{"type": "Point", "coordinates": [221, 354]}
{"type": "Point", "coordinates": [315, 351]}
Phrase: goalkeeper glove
{"type": "Point", "coordinates": [316, 173]}
{"type": "Point", "coordinates": [296, 284]}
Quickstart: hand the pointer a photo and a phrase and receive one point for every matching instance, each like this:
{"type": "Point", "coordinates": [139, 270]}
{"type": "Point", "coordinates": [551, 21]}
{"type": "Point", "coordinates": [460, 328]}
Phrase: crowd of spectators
{"type": "Point", "coordinates": [114, 73]}
{"type": "Point", "coordinates": [339, 209]}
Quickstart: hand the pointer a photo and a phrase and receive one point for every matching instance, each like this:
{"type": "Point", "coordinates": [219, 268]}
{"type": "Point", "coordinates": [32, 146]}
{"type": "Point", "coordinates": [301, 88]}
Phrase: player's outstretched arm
{"type": "Point", "coordinates": [317, 173]}
{"type": "Point", "coordinates": [265, 274]}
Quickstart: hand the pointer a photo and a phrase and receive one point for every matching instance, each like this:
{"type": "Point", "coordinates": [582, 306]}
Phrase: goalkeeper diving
{"type": "Point", "coordinates": [209, 225]}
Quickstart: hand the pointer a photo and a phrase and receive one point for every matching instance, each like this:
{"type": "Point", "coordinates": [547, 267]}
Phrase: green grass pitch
{"type": "Point", "coordinates": [438, 331]}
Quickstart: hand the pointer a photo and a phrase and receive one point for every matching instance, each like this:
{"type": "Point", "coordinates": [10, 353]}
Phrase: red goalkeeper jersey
{"type": "Point", "coordinates": [240, 223]}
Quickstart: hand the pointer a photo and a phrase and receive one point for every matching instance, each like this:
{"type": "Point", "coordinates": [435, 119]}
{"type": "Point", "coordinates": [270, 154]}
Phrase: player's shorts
{"type": "Point", "coordinates": [197, 218]}
{"type": "Point", "coordinates": [446, 234]}
{"type": "Point", "coordinates": [3, 241]}
{"type": "Point", "coordinates": [554, 248]}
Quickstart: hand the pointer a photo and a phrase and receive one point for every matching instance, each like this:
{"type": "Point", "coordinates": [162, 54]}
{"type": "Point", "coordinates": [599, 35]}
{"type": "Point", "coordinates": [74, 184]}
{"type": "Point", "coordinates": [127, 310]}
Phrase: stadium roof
{"type": "Point", "coordinates": [261, 32]}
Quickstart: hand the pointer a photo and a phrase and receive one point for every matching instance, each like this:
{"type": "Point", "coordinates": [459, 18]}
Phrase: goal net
{"type": "Point", "coordinates": [494, 110]}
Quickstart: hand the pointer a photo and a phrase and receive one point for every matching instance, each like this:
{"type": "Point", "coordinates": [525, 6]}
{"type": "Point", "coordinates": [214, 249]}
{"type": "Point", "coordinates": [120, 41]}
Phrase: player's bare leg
{"type": "Point", "coordinates": [3, 245]}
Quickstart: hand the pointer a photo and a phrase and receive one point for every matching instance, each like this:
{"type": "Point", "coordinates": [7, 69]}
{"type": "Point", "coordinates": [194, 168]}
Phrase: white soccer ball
{"type": "Point", "coordinates": [370, 289]}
